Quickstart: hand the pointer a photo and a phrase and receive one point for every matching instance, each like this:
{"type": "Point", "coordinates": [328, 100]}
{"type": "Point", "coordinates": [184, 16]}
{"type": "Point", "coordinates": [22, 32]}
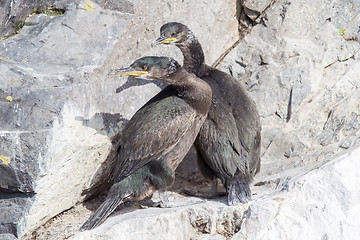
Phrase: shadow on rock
{"type": "Point", "coordinates": [104, 123]}
{"type": "Point", "coordinates": [110, 125]}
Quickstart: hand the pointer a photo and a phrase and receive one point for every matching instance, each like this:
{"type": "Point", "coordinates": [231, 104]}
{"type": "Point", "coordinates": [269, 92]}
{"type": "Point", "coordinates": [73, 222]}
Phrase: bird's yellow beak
{"type": "Point", "coordinates": [167, 40]}
{"type": "Point", "coordinates": [162, 40]}
{"type": "Point", "coordinates": [128, 72]}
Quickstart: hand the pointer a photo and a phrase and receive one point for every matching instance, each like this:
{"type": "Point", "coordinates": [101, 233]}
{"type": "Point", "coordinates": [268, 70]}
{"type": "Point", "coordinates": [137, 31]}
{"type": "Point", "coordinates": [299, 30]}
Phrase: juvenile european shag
{"type": "Point", "coordinates": [228, 143]}
{"type": "Point", "coordinates": [157, 137]}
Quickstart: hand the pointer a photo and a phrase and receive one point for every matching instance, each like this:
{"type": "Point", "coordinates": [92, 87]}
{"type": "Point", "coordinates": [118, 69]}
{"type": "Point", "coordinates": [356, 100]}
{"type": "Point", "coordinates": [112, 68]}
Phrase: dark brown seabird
{"type": "Point", "coordinates": [157, 137]}
{"type": "Point", "coordinates": [228, 143]}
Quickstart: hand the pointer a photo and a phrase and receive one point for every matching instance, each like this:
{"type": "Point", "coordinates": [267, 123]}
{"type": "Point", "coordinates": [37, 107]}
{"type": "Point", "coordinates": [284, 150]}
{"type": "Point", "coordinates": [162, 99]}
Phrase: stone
{"type": "Point", "coordinates": [62, 115]}
{"type": "Point", "coordinates": [253, 8]}
{"type": "Point", "coordinates": [351, 30]}
{"type": "Point", "coordinates": [124, 6]}
{"type": "Point", "coordinates": [56, 55]}
{"type": "Point", "coordinates": [312, 202]}
{"type": "Point", "coordinates": [320, 204]}
{"type": "Point", "coordinates": [197, 221]}
{"type": "Point", "coordinates": [7, 236]}
{"type": "Point", "coordinates": [12, 12]}
{"type": "Point", "coordinates": [287, 54]}
{"type": "Point", "coordinates": [61, 127]}
{"type": "Point", "coordinates": [11, 212]}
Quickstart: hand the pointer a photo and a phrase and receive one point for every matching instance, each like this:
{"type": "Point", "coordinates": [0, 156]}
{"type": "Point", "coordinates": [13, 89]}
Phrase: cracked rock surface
{"type": "Point", "coordinates": [61, 114]}
{"type": "Point", "coordinates": [59, 109]}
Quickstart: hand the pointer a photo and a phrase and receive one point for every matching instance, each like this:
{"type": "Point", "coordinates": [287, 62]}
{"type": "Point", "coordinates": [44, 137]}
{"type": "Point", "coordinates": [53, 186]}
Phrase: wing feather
{"type": "Point", "coordinates": [152, 132]}
{"type": "Point", "coordinates": [227, 136]}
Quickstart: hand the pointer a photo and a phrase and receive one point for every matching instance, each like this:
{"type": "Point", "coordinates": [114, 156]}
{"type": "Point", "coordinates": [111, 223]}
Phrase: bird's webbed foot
{"type": "Point", "coordinates": [147, 204]}
{"type": "Point", "coordinates": [163, 203]}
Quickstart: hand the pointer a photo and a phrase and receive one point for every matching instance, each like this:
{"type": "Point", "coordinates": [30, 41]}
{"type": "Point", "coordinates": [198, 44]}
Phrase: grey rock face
{"type": "Point", "coordinates": [59, 109]}
{"type": "Point", "coordinates": [124, 6]}
{"type": "Point", "coordinates": [7, 236]}
{"type": "Point", "coordinates": [295, 49]}
{"type": "Point", "coordinates": [13, 11]}
{"type": "Point", "coordinates": [38, 75]}
{"type": "Point", "coordinates": [306, 205]}
{"type": "Point", "coordinates": [26, 147]}
{"type": "Point", "coordinates": [41, 69]}
{"type": "Point", "coordinates": [60, 126]}
{"type": "Point", "coordinates": [13, 207]}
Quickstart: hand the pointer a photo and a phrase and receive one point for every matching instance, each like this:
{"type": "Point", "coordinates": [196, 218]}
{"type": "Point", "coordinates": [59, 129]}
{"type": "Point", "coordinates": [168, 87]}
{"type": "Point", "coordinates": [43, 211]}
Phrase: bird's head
{"type": "Point", "coordinates": [150, 68]}
{"type": "Point", "coordinates": [174, 33]}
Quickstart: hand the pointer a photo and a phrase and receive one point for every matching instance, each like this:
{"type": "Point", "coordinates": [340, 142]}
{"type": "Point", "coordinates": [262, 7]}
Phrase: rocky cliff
{"type": "Point", "coordinates": [61, 113]}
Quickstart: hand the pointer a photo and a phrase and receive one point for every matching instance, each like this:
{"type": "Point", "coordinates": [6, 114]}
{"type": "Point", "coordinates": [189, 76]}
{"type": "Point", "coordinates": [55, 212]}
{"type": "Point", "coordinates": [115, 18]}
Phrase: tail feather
{"type": "Point", "coordinates": [100, 215]}
{"type": "Point", "coordinates": [238, 193]}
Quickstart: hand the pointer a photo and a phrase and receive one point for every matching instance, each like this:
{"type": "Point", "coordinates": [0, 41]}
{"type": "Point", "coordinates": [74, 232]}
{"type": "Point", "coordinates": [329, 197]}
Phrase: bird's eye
{"type": "Point", "coordinates": [173, 34]}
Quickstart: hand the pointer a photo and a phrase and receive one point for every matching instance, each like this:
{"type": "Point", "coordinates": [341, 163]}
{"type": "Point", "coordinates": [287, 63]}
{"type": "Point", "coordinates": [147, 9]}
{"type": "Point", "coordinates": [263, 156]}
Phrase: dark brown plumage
{"type": "Point", "coordinates": [157, 137]}
{"type": "Point", "coordinates": [229, 140]}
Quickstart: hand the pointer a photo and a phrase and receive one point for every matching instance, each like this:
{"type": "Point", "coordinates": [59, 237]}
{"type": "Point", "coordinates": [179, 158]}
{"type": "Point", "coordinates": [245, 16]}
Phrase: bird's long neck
{"type": "Point", "coordinates": [194, 60]}
{"type": "Point", "coordinates": [193, 90]}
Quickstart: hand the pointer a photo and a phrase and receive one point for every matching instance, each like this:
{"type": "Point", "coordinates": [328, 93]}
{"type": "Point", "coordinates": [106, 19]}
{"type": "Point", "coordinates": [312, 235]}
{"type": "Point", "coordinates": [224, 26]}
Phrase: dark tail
{"type": "Point", "coordinates": [238, 192]}
{"type": "Point", "coordinates": [105, 209]}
